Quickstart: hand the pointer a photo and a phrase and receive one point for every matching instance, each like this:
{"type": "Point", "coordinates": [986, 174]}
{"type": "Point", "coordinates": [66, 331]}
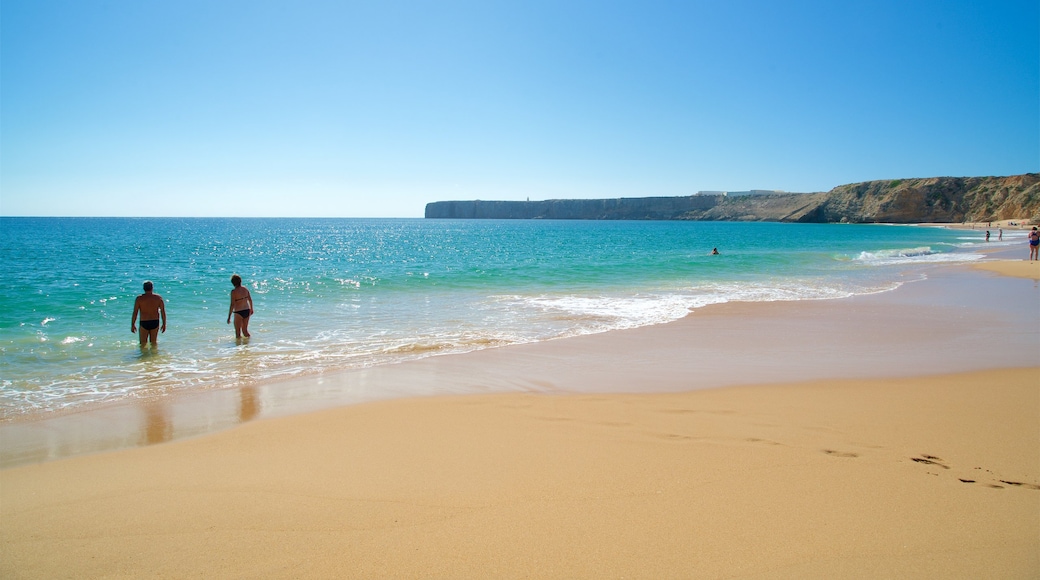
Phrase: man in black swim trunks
{"type": "Point", "coordinates": [151, 307]}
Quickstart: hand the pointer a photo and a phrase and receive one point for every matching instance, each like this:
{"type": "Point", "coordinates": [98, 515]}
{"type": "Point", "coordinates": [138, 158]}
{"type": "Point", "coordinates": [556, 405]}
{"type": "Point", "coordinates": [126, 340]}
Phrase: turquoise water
{"type": "Point", "coordinates": [335, 294]}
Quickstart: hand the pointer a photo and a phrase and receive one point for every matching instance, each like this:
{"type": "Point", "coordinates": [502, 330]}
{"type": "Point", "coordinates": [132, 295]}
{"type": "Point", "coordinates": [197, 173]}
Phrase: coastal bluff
{"type": "Point", "coordinates": [919, 200]}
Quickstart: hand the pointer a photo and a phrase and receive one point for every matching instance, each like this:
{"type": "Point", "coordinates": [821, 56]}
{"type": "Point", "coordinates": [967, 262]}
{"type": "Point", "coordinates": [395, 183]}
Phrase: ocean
{"type": "Point", "coordinates": [335, 294]}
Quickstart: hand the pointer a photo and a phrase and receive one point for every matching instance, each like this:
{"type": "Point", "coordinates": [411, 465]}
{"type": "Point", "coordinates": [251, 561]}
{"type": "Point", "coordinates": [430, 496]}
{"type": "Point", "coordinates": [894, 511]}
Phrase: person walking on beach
{"type": "Point", "coordinates": [1034, 244]}
{"type": "Point", "coordinates": [151, 307]}
{"type": "Point", "coordinates": [241, 307]}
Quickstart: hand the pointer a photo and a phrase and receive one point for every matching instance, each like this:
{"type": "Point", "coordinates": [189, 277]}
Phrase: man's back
{"type": "Point", "coordinates": [149, 304]}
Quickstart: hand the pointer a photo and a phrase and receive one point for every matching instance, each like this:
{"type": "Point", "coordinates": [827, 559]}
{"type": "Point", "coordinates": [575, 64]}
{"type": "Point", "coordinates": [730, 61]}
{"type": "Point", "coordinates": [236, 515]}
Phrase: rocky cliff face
{"type": "Point", "coordinates": [935, 199]}
{"type": "Point", "coordinates": [785, 207]}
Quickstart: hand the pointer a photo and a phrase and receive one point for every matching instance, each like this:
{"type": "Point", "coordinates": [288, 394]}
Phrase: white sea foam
{"type": "Point", "coordinates": [921, 255]}
{"type": "Point", "coordinates": [598, 313]}
{"type": "Point", "coordinates": [587, 314]}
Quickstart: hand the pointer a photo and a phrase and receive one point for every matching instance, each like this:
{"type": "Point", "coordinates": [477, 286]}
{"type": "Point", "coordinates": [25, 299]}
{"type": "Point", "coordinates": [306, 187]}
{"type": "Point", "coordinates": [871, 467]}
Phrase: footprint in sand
{"type": "Point", "coordinates": [933, 460]}
{"type": "Point", "coordinates": [762, 441]}
{"type": "Point", "coordinates": [930, 460]}
{"type": "Point", "coordinates": [835, 453]}
{"type": "Point", "coordinates": [1021, 484]}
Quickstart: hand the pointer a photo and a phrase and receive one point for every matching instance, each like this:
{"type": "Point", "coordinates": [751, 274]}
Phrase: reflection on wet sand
{"type": "Point", "coordinates": [248, 397]}
{"type": "Point", "coordinates": [160, 420]}
{"type": "Point", "coordinates": [249, 406]}
{"type": "Point", "coordinates": [158, 428]}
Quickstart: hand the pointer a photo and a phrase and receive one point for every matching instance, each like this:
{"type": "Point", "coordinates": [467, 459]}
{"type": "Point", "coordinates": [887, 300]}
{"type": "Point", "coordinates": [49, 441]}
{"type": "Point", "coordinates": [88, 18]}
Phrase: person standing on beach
{"type": "Point", "coordinates": [1034, 245]}
{"type": "Point", "coordinates": [151, 307]}
{"type": "Point", "coordinates": [241, 307]}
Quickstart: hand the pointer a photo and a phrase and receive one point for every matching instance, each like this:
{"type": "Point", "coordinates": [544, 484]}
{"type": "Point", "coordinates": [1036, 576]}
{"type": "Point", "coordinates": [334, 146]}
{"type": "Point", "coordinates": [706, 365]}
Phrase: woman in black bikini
{"type": "Point", "coordinates": [241, 307]}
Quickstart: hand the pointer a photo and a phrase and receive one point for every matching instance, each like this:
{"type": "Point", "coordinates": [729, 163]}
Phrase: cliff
{"type": "Point", "coordinates": [935, 199]}
{"type": "Point", "coordinates": [927, 200]}
{"type": "Point", "coordinates": [635, 208]}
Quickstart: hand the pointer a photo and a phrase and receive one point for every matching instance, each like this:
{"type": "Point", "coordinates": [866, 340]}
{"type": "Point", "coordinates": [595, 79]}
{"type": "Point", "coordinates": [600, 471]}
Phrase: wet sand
{"type": "Point", "coordinates": [892, 435]}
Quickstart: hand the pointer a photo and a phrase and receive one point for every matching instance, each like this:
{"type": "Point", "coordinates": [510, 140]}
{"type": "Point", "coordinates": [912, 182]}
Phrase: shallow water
{"type": "Point", "coordinates": [334, 294]}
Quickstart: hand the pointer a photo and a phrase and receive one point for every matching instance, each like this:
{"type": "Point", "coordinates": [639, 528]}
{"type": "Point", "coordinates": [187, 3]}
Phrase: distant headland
{"type": "Point", "coordinates": [919, 200]}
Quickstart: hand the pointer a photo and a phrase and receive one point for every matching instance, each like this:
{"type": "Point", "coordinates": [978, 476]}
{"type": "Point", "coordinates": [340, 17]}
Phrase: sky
{"type": "Point", "coordinates": [375, 108]}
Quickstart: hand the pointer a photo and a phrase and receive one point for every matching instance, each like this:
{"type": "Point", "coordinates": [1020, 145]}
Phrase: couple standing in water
{"type": "Point", "coordinates": [152, 309]}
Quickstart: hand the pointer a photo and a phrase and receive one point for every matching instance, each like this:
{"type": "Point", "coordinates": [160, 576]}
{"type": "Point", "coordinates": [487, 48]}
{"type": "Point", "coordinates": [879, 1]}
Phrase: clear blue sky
{"type": "Point", "coordinates": [373, 109]}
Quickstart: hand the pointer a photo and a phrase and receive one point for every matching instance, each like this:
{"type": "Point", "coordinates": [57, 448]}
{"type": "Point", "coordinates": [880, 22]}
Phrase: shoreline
{"type": "Point", "coordinates": [144, 384]}
{"type": "Point", "coordinates": [513, 368]}
{"type": "Point", "coordinates": [889, 435]}
{"type": "Point", "coordinates": [1007, 224]}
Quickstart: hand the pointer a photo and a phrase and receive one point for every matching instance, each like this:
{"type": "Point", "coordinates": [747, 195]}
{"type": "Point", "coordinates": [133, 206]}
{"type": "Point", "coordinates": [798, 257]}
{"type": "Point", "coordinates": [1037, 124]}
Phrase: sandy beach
{"type": "Point", "coordinates": [893, 435]}
{"type": "Point", "coordinates": [1016, 268]}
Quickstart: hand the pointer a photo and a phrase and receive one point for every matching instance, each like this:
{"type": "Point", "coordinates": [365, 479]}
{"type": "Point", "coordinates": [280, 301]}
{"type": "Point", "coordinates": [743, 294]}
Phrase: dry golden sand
{"type": "Point", "coordinates": [925, 477]}
{"type": "Point", "coordinates": [1016, 268]}
{"type": "Point", "coordinates": [1007, 224]}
